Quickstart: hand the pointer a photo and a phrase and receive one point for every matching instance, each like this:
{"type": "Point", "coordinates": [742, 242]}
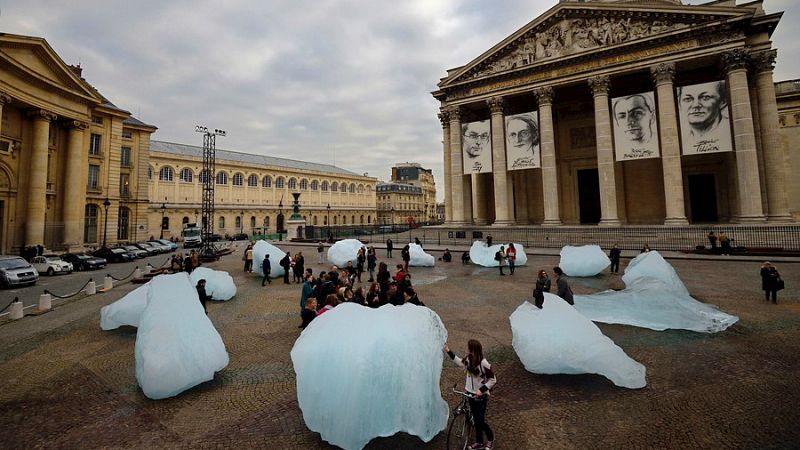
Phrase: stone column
{"type": "Point", "coordinates": [456, 168]}
{"type": "Point", "coordinates": [75, 186]}
{"type": "Point", "coordinates": [37, 176]}
{"type": "Point", "coordinates": [663, 74]}
{"type": "Point", "coordinates": [4, 100]}
{"type": "Point", "coordinates": [750, 207]}
{"type": "Point", "coordinates": [547, 144]}
{"type": "Point", "coordinates": [774, 153]}
{"type": "Point", "coordinates": [444, 118]}
{"type": "Point", "coordinates": [502, 212]}
{"type": "Point", "coordinates": [479, 203]}
{"type": "Point", "coordinates": [605, 151]}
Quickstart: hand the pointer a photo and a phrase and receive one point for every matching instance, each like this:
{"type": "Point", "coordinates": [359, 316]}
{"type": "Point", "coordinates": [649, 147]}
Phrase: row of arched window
{"type": "Point", "coordinates": [186, 175]}
{"type": "Point", "coordinates": [314, 221]}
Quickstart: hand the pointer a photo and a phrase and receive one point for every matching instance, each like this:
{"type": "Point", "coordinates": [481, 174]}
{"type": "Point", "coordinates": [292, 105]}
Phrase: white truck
{"type": "Point", "coordinates": [191, 236]}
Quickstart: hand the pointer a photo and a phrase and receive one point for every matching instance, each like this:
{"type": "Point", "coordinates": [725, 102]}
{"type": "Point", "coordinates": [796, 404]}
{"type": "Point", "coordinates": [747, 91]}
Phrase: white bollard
{"type": "Point", "coordinates": [108, 283]}
{"type": "Point", "coordinates": [16, 311]}
{"type": "Point", "coordinates": [91, 288]}
{"type": "Point", "coordinates": [45, 302]}
{"type": "Point", "coordinates": [137, 274]}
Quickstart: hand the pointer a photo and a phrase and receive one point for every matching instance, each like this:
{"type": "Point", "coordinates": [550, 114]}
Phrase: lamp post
{"type": "Point", "coordinates": [163, 210]}
{"type": "Point", "coordinates": [392, 219]}
{"type": "Point", "coordinates": [106, 204]}
{"type": "Point", "coordinates": [329, 220]}
{"type": "Point", "coordinates": [241, 222]}
{"type": "Point", "coordinates": [280, 220]}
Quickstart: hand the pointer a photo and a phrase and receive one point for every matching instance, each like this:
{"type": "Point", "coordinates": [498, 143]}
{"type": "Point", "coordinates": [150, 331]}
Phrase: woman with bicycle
{"type": "Point", "coordinates": [479, 381]}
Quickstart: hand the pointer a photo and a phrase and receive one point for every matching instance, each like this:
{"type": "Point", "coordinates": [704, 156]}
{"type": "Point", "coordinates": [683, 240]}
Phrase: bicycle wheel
{"type": "Point", "coordinates": [459, 433]}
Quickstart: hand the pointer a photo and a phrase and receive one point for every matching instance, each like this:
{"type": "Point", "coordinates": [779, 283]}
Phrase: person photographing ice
{"type": "Point", "coordinates": [479, 382]}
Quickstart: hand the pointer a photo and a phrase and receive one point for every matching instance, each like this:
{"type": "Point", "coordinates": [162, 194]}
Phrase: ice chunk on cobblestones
{"type": "Point", "coordinates": [364, 373]}
{"type": "Point", "coordinates": [482, 255]}
{"type": "Point", "coordinates": [260, 249]}
{"type": "Point", "coordinates": [219, 284]}
{"type": "Point", "coordinates": [583, 261]}
{"type": "Point", "coordinates": [654, 298]}
{"type": "Point", "coordinates": [343, 251]}
{"type": "Point", "coordinates": [418, 256]}
{"type": "Point", "coordinates": [558, 339]}
{"type": "Point", "coordinates": [177, 346]}
{"type": "Point", "coordinates": [125, 311]}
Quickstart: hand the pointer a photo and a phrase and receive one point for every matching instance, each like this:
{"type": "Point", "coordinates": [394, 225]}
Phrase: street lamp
{"type": "Point", "coordinates": [329, 220]}
{"type": "Point", "coordinates": [163, 210]}
{"type": "Point", "coordinates": [106, 204]}
{"type": "Point", "coordinates": [241, 222]}
{"type": "Point", "coordinates": [280, 220]}
{"type": "Point", "coordinates": [392, 218]}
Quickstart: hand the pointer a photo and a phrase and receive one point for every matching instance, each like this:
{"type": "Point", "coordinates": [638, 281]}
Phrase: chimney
{"type": "Point", "coordinates": [77, 70]}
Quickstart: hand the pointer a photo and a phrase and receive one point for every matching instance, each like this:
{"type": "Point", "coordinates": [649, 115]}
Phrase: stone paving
{"type": "Point", "coordinates": [67, 384]}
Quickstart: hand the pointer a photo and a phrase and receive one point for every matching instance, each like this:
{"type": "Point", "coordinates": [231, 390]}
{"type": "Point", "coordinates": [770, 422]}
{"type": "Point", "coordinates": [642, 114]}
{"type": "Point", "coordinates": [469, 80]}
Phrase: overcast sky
{"type": "Point", "coordinates": [321, 80]}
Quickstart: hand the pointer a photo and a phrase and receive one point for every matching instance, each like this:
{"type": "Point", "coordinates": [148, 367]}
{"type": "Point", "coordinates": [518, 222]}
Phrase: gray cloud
{"type": "Point", "coordinates": [297, 79]}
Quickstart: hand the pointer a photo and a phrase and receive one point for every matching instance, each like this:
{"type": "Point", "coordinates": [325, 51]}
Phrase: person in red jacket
{"type": "Point", "coordinates": [401, 274]}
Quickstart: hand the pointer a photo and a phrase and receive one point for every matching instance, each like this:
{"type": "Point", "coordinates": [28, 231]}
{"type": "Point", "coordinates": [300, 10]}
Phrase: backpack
{"type": "Point", "coordinates": [497, 256]}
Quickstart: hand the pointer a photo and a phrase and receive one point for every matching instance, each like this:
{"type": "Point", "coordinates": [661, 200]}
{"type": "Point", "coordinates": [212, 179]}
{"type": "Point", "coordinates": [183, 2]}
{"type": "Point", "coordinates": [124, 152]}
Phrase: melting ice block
{"type": "Point", "coordinates": [343, 251]}
{"type": "Point", "coordinates": [219, 284]}
{"type": "Point", "coordinates": [654, 298]}
{"type": "Point", "coordinates": [558, 339]}
{"type": "Point", "coordinates": [125, 311]}
{"type": "Point", "coordinates": [419, 257]}
{"type": "Point", "coordinates": [364, 373]}
{"type": "Point", "coordinates": [482, 255]}
{"type": "Point", "coordinates": [177, 347]}
{"type": "Point", "coordinates": [583, 261]}
{"type": "Point", "coordinates": [260, 249]}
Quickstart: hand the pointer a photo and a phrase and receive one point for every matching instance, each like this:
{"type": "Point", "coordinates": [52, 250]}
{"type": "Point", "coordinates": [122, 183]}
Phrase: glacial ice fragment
{"type": "Point", "coordinates": [125, 311]}
{"type": "Point", "coordinates": [418, 256]}
{"type": "Point", "coordinates": [219, 284]}
{"type": "Point", "coordinates": [482, 255]}
{"type": "Point", "coordinates": [260, 249]}
{"type": "Point", "coordinates": [177, 346]}
{"type": "Point", "coordinates": [364, 373]}
{"type": "Point", "coordinates": [343, 251]}
{"type": "Point", "coordinates": [583, 261]}
{"type": "Point", "coordinates": [558, 339]}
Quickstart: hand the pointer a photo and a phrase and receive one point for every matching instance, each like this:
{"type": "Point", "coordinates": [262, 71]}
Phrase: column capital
{"type": "Point", "coordinates": [736, 59]}
{"type": "Point", "coordinates": [4, 99]}
{"type": "Point", "coordinates": [41, 114]}
{"type": "Point", "coordinates": [496, 105]}
{"type": "Point", "coordinates": [600, 85]}
{"type": "Point", "coordinates": [454, 113]}
{"type": "Point", "coordinates": [444, 118]}
{"type": "Point", "coordinates": [544, 95]}
{"type": "Point", "coordinates": [76, 125]}
{"type": "Point", "coordinates": [663, 73]}
{"type": "Point", "coordinates": [764, 61]}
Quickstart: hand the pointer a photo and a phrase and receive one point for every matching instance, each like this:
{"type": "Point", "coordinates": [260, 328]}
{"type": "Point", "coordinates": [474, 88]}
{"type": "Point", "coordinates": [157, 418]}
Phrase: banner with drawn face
{"type": "Point", "coordinates": [476, 147]}
{"type": "Point", "coordinates": [635, 126]}
{"type": "Point", "coordinates": [705, 123]}
{"type": "Point", "coordinates": [522, 141]}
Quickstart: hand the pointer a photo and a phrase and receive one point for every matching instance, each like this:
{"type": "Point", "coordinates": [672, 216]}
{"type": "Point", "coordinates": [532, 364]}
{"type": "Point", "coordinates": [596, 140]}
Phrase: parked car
{"type": "Point", "coordinates": [240, 237]}
{"type": "Point", "coordinates": [172, 245]}
{"type": "Point", "coordinates": [114, 255]}
{"type": "Point", "coordinates": [215, 238]}
{"type": "Point", "coordinates": [135, 251]}
{"type": "Point", "coordinates": [164, 247]}
{"type": "Point", "coordinates": [51, 265]}
{"type": "Point", "coordinates": [82, 261]}
{"type": "Point", "coordinates": [148, 248]}
{"type": "Point", "coordinates": [15, 271]}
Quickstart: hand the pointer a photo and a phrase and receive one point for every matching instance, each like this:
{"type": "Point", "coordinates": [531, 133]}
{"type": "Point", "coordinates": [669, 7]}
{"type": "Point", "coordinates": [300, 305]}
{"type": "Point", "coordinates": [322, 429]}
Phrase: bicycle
{"type": "Point", "coordinates": [458, 435]}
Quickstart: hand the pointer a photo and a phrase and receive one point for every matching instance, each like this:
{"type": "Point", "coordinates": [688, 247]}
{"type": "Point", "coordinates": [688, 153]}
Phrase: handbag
{"type": "Point", "coordinates": [780, 285]}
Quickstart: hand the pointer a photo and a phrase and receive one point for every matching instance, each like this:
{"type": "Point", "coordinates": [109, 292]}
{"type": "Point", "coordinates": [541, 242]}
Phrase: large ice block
{"type": "Point", "coordinates": [558, 339]}
{"type": "Point", "coordinates": [654, 297]}
{"type": "Point", "coordinates": [177, 346]}
{"type": "Point", "coordinates": [343, 251]}
{"type": "Point", "coordinates": [418, 256]}
{"type": "Point", "coordinates": [260, 249]}
{"type": "Point", "coordinates": [125, 311]}
{"type": "Point", "coordinates": [219, 284]}
{"type": "Point", "coordinates": [482, 255]}
{"type": "Point", "coordinates": [364, 373]}
{"type": "Point", "coordinates": [583, 261]}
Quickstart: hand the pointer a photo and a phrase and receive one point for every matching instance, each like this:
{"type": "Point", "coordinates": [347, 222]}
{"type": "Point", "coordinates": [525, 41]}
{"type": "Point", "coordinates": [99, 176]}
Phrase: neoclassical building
{"type": "Point", "coordinates": [252, 190]}
{"type": "Point", "coordinates": [70, 160]}
{"type": "Point", "coordinates": [622, 112]}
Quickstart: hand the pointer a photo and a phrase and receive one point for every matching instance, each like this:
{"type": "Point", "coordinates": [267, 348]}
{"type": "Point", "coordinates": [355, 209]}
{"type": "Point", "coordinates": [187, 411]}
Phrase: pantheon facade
{"type": "Point", "coordinates": [620, 112]}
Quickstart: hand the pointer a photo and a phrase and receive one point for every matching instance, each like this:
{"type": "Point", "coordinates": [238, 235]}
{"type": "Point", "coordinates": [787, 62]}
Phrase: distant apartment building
{"type": "Point", "coordinates": [413, 174]}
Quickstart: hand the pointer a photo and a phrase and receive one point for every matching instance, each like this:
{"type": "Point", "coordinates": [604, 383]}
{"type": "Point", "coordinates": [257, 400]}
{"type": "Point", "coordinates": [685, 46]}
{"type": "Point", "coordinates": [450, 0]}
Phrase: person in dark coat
{"type": "Point", "coordinates": [405, 253]}
{"type": "Point", "coordinates": [188, 264]}
{"type": "Point", "coordinates": [446, 256]}
{"type": "Point", "coordinates": [770, 281]}
{"type": "Point", "coordinates": [542, 286]}
{"type": "Point", "coordinates": [564, 291]}
{"type": "Point", "coordinates": [308, 313]}
{"type": "Point", "coordinates": [712, 239]}
{"type": "Point", "coordinates": [372, 262]}
{"type": "Point", "coordinates": [417, 241]}
{"type": "Point", "coordinates": [389, 248]}
{"type": "Point", "coordinates": [383, 277]}
{"type": "Point", "coordinates": [201, 292]}
{"type": "Point", "coordinates": [286, 263]}
{"type": "Point", "coordinates": [613, 255]}
{"type": "Point", "coordinates": [299, 266]}
{"type": "Point", "coordinates": [266, 266]}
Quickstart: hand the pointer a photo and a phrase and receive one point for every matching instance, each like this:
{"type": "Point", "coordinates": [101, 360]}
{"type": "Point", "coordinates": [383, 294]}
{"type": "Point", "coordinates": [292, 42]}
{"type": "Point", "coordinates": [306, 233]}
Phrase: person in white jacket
{"type": "Point", "coordinates": [479, 381]}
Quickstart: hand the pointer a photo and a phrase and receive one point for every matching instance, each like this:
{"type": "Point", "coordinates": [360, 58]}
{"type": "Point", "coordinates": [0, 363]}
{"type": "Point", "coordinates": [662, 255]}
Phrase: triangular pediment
{"type": "Point", "coordinates": [573, 28]}
{"type": "Point", "coordinates": [33, 58]}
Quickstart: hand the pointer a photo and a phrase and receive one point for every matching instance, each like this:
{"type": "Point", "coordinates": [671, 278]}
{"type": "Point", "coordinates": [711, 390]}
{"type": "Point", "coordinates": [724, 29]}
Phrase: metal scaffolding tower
{"type": "Point", "coordinates": [208, 178]}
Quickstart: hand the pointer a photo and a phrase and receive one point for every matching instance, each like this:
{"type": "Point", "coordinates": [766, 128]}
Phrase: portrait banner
{"type": "Point", "coordinates": [476, 146]}
{"type": "Point", "coordinates": [705, 122]}
{"type": "Point", "coordinates": [635, 127]}
{"type": "Point", "coordinates": [522, 141]}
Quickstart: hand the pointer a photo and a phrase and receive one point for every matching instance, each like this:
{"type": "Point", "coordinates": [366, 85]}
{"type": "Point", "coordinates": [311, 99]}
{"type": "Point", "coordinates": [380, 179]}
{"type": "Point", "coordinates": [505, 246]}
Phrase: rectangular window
{"type": "Point", "coordinates": [126, 134]}
{"type": "Point", "coordinates": [124, 185]}
{"type": "Point", "coordinates": [94, 177]}
{"type": "Point", "coordinates": [94, 144]}
{"type": "Point", "coordinates": [125, 157]}
{"type": "Point", "coordinates": [97, 119]}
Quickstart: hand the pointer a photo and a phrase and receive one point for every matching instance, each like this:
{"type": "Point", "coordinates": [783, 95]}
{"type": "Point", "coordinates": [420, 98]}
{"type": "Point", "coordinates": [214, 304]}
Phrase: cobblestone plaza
{"type": "Point", "coordinates": [67, 384]}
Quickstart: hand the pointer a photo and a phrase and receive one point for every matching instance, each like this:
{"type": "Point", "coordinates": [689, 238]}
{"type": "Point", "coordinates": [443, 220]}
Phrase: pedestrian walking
{"type": "Point", "coordinates": [479, 382]}
{"type": "Point", "coordinates": [614, 255]}
{"type": "Point", "coordinates": [511, 257]}
{"type": "Point", "coordinates": [299, 267]}
{"type": "Point", "coordinates": [286, 263]}
{"type": "Point", "coordinates": [564, 291]}
{"type": "Point", "coordinates": [266, 267]}
{"type": "Point", "coordinates": [372, 261]}
{"type": "Point", "coordinates": [500, 257]}
{"type": "Point", "coordinates": [248, 258]}
{"type": "Point", "coordinates": [321, 252]}
{"type": "Point", "coordinates": [542, 285]}
{"type": "Point", "coordinates": [771, 281]}
{"type": "Point", "coordinates": [405, 253]}
{"type": "Point", "coordinates": [389, 247]}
